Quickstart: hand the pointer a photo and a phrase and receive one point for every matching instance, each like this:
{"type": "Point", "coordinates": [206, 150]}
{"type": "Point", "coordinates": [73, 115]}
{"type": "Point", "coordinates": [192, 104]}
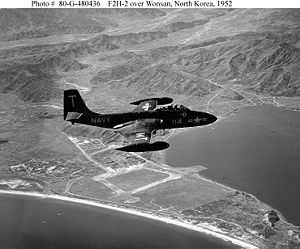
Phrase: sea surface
{"type": "Point", "coordinates": [31, 222]}
{"type": "Point", "coordinates": [257, 151]}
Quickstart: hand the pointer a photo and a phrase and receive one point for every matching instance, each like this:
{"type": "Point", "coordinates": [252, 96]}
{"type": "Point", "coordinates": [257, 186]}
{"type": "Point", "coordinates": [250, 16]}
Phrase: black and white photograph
{"type": "Point", "coordinates": [149, 128]}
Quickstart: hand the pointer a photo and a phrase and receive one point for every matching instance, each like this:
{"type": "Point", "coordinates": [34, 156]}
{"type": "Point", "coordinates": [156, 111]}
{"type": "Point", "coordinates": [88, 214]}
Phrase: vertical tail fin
{"type": "Point", "coordinates": [74, 105]}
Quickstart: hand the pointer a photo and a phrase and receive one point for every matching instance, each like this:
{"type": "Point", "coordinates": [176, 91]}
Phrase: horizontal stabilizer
{"type": "Point", "coordinates": [145, 147]}
{"type": "Point", "coordinates": [159, 101]}
{"type": "Point", "coordinates": [73, 115]}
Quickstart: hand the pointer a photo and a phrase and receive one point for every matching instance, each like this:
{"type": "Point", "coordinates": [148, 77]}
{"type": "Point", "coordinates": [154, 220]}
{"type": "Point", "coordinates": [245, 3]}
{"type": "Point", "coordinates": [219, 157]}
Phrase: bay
{"type": "Point", "coordinates": [257, 151]}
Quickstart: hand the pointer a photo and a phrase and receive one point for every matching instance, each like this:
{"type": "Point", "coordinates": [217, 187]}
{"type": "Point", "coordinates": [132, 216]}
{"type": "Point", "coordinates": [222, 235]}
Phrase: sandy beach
{"type": "Point", "coordinates": [139, 213]}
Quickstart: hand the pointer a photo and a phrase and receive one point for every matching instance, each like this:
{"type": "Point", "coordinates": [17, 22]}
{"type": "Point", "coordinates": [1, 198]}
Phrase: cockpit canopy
{"type": "Point", "coordinates": [174, 108]}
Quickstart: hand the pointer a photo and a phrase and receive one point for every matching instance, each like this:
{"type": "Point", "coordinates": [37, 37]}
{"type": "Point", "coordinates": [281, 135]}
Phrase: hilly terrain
{"type": "Point", "coordinates": [213, 60]}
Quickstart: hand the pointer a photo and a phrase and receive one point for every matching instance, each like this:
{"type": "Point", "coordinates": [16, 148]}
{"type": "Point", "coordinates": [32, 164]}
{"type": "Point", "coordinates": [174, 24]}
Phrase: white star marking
{"type": "Point", "coordinates": [197, 120]}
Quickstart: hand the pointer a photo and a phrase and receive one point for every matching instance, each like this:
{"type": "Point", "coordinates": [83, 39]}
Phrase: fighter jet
{"type": "Point", "coordinates": [138, 125]}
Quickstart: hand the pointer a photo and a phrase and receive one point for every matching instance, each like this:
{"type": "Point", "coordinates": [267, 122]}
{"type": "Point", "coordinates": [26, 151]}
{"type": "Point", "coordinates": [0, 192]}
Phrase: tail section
{"type": "Point", "coordinates": [74, 105]}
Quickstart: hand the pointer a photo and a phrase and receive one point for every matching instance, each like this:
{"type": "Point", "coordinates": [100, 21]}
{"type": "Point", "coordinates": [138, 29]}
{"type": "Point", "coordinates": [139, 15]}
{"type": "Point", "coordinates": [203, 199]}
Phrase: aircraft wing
{"type": "Point", "coordinates": [138, 135]}
{"type": "Point", "coordinates": [138, 138]}
{"type": "Point", "coordinates": [147, 105]}
{"type": "Point", "coordinates": [150, 104]}
{"type": "Point", "coordinates": [136, 132]}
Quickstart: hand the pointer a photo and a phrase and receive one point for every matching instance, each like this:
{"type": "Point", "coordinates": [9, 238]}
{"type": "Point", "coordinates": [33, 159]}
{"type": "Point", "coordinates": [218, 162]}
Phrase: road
{"type": "Point", "coordinates": [104, 178]}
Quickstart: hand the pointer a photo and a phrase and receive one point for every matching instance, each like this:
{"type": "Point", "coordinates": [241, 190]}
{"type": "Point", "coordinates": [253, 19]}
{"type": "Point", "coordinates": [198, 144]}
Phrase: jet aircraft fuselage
{"type": "Point", "coordinates": [138, 125]}
{"type": "Point", "coordinates": [166, 119]}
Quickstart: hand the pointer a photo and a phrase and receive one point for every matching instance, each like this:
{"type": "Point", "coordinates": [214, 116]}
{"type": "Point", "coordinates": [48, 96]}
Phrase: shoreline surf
{"type": "Point", "coordinates": [206, 231]}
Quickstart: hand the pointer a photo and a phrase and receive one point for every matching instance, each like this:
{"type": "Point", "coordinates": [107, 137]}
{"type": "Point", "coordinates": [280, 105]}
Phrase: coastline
{"type": "Point", "coordinates": [282, 217]}
{"type": "Point", "coordinates": [221, 236]}
{"type": "Point", "coordinates": [203, 177]}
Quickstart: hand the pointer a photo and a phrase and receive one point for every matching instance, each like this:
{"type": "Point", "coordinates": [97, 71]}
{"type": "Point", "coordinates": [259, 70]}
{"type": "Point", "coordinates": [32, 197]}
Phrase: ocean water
{"type": "Point", "coordinates": [257, 151]}
{"type": "Point", "coordinates": [30, 222]}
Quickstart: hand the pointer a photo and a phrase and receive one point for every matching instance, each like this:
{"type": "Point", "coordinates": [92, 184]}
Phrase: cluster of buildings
{"type": "Point", "coordinates": [38, 167]}
{"type": "Point", "coordinates": [116, 162]}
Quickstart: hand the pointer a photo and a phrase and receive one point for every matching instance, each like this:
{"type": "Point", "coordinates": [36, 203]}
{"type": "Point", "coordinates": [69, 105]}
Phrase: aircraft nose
{"type": "Point", "coordinates": [212, 118]}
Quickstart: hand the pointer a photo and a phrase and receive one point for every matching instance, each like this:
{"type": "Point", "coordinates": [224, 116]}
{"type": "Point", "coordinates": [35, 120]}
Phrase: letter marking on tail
{"type": "Point", "coordinates": [72, 97]}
